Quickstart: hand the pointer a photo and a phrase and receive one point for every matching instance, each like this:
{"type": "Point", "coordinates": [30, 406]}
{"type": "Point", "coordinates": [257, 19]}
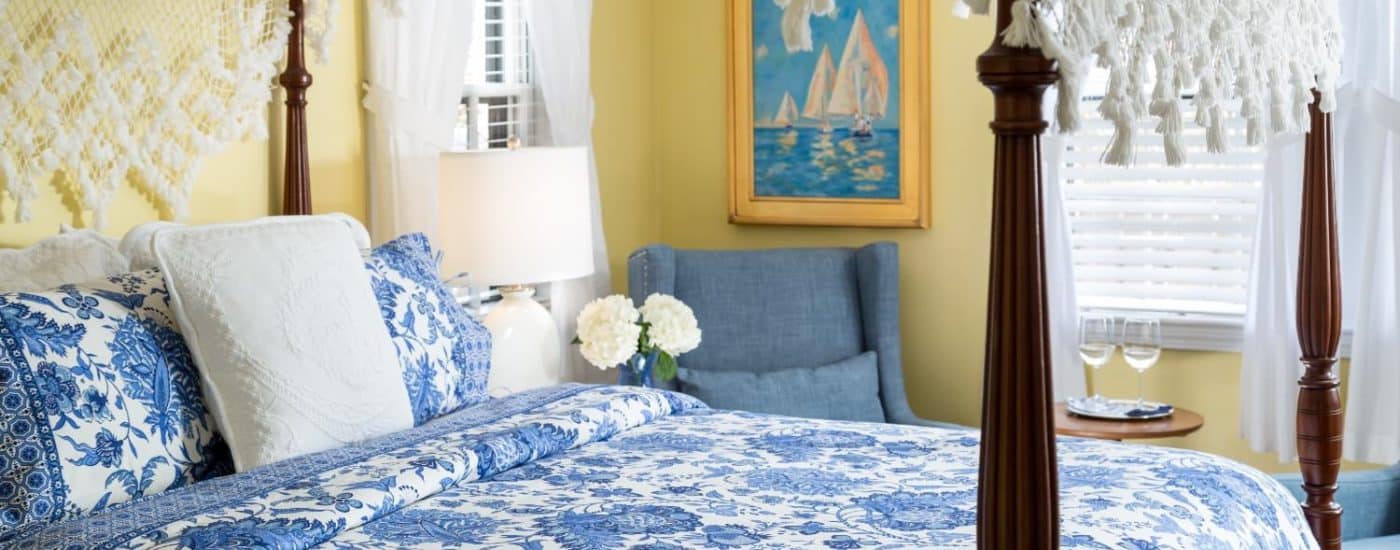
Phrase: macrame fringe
{"type": "Point", "coordinates": [95, 92]}
{"type": "Point", "coordinates": [1255, 60]}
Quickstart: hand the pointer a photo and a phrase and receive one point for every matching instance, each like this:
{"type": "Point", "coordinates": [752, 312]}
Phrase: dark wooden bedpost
{"type": "Point", "coordinates": [1018, 489]}
{"type": "Point", "coordinates": [1319, 333]}
{"type": "Point", "coordinates": [296, 182]}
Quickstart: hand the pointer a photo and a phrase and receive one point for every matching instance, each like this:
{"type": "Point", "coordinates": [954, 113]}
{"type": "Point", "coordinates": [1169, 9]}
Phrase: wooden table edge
{"type": "Point", "coordinates": [1185, 422]}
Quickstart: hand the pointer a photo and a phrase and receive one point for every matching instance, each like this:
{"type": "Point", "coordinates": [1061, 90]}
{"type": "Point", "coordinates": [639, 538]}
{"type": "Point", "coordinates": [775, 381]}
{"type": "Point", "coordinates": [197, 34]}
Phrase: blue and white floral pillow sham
{"type": "Point", "coordinates": [99, 400]}
{"type": "Point", "coordinates": [445, 355]}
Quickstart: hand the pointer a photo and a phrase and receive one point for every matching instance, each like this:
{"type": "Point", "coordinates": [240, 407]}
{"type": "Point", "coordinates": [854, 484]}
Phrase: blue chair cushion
{"type": "Point", "coordinates": [1378, 543]}
{"type": "Point", "coordinates": [845, 390]}
{"type": "Point", "coordinates": [771, 309]}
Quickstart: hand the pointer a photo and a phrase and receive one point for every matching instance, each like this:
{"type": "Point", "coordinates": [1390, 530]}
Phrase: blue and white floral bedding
{"type": "Point", "coordinates": [617, 467]}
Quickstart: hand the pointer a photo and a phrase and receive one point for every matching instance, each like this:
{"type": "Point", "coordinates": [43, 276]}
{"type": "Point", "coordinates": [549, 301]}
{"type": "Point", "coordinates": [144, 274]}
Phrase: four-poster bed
{"type": "Point", "coordinates": [1018, 471]}
{"type": "Point", "coordinates": [581, 466]}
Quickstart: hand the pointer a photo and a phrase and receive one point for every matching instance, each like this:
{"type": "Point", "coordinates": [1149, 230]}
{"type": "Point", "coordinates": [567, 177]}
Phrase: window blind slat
{"type": "Point", "coordinates": [1199, 173]}
{"type": "Point", "coordinates": [1085, 224]}
{"type": "Point", "coordinates": [1128, 205]}
{"type": "Point", "coordinates": [1174, 274]}
{"type": "Point", "coordinates": [1162, 258]}
{"type": "Point", "coordinates": [1088, 189]}
{"type": "Point", "coordinates": [1232, 243]}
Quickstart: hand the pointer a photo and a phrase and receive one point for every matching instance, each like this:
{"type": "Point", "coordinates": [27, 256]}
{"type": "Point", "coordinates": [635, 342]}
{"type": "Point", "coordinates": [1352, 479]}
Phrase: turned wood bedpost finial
{"type": "Point", "coordinates": [1018, 489]}
{"type": "Point", "coordinates": [295, 79]}
{"type": "Point", "coordinates": [1319, 333]}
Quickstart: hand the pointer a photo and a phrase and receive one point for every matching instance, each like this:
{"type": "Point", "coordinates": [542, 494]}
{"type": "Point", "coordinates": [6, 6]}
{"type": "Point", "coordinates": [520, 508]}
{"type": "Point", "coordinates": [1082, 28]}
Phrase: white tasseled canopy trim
{"type": "Point", "coordinates": [95, 94]}
{"type": "Point", "coordinates": [1256, 60]}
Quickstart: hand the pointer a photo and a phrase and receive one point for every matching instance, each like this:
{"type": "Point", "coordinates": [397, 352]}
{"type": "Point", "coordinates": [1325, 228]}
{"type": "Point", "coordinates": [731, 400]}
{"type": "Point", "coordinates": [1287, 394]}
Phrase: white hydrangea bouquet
{"type": "Point", "coordinates": [643, 341]}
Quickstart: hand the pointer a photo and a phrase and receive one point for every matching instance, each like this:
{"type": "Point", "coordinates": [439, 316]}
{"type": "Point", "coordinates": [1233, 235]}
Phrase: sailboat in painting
{"type": "Point", "coordinates": [819, 90]}
{"type": "Point", "coordinates": [861, 90]}
{"type": "Point", "coordinates": [787, 112]}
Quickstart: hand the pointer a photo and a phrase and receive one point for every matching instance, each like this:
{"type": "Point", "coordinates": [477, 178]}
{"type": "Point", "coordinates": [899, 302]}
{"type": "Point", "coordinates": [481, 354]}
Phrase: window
{"type": "Point", "coordinates": [1174, 242]}
{"type": "Point", "coordinates": [498, 90]}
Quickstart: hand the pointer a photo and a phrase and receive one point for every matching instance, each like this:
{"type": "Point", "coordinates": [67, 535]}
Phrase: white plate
{"type": "Point", "coordinates": [1119, 409]}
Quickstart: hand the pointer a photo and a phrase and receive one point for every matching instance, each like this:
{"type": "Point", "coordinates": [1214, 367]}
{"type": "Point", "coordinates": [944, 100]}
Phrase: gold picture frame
{"type": "Point", "coordinates": [791, 139]}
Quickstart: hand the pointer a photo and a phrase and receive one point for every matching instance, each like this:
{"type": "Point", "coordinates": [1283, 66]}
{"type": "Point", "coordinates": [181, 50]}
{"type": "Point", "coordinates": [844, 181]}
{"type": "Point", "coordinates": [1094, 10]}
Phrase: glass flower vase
{"type": "Point", "coordinates": [637, 370]}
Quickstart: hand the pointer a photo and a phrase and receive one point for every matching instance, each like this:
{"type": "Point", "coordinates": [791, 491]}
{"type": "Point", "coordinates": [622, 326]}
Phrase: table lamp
{"type": "Point", "coordinates": [512, 218]}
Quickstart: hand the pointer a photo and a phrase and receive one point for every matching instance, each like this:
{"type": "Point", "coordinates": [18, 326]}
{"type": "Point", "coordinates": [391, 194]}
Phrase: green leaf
{"type": "Point", "coordinates": [665, 367]}
{"type": "Point", "coordinates": [576, 341]}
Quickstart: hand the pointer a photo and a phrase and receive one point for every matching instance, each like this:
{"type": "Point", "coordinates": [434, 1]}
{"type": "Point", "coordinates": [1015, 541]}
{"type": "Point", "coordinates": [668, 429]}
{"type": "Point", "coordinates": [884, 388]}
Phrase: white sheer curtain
{"type": "Point", "coordinates": [414, 70]}
{"type": "Point", "coordinates": [1369, 134]}
{"type": "Point", "coordinates": [1270, 368]}
{"type": "Point", "coordinates": [1067, 372]}
{"type": "Point", "coordinates": [559, 38]}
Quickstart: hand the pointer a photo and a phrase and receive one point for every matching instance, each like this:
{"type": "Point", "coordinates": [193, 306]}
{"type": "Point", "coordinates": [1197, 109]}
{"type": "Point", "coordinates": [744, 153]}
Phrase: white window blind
{"type": "Point", "coordinates": [498, 93]}
{"type": "Point", "coordinates": [1174, 241]}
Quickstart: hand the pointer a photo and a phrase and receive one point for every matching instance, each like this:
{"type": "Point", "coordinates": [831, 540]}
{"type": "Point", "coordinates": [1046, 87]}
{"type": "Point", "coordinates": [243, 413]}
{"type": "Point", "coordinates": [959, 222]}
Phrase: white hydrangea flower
{"type": "Point", "coordinates": [608, 331]}
{"type": "Point", "coordinates": [673, 325]}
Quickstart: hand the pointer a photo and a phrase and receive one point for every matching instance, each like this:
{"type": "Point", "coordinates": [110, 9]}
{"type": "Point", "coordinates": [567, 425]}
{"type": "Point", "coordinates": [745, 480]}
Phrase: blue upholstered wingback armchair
{"type": "Point", "coordinates": [803, 332]}
{"type": "Point", "coordinates": [1370, 506]}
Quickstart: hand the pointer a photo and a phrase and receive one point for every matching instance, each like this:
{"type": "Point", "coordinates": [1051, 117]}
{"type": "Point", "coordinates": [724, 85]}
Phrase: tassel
{"type": "Point", "coordinates": [1168, 109]}
{"type": "Point", "coordinates": [1067, 117]}
{"type": "Point", "coordinates": [1021, 33]}
{"type": "Point", "coordinates": [1215, 134]}
{"type": "Point", "coordinates": [1120, 148]}
{"type": "Point", "coordinates": [23, 213]}
{"type": "Point", "coordinates": [1327, 85]}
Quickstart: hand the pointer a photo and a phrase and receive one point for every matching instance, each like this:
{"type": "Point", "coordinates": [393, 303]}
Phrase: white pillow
{"type": "Point", "coordinates": [285, 330]}
{"type": "Point", "coordinates": [66, 258]}
{"type": "Point", "coordinates": [137, 245]}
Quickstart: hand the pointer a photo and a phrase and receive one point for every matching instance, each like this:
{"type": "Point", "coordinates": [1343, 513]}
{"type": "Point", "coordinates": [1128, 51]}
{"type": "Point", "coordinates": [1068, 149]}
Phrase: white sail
{"type": "Point", "coordinates": [787, 111]}
{"type": "Point", "coordinates": [874, 103]}
{"type": "Point", "coordinates": [861, 71]}
{"type": "Point", "coordinates": [819, 90]}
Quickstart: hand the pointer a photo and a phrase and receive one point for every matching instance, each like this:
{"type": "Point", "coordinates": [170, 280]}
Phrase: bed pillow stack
{"type": "Point", "coordinates": [99, 400]}
{"type": "Point", "coordinates": [445, 355]}
{"type": "Point", "coordinates": [100, 395]}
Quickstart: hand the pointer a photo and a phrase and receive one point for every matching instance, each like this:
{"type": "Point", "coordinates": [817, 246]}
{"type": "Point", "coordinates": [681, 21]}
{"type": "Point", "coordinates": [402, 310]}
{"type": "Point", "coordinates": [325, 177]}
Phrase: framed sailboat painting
{"type": "Point", "coordinates": [829, 108]}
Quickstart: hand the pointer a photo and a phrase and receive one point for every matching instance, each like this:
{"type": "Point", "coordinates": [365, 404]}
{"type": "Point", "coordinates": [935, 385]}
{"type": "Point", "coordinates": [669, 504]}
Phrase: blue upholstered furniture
{"type": "Point", "coordinates": [787, 330]}
{"type": "Point", "coordinates": [1370, 506]}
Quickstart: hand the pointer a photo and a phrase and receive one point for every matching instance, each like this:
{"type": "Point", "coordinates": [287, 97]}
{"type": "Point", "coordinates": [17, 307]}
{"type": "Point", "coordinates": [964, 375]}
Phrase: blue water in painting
{"type": "Point", "coordinates": [804, 162]}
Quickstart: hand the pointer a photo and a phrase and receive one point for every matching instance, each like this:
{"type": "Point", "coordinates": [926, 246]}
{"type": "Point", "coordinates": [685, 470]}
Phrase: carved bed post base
{"type": "Point", "coordinates": [1319, 333]}
{"type": "Point", "coordinates": [1018, 489]}
{"type": "Point", "coordinates": [295, 79]}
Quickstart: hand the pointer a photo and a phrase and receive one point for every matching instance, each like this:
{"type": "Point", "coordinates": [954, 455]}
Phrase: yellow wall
{"type": "Point", "coordinates": [623, 134]}
{"type": "Point", "coordinates": [944, 269]}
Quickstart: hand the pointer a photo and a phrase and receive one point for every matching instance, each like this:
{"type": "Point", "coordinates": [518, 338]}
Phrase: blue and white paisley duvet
{"type": "Point", "coordinates": [616, 467]}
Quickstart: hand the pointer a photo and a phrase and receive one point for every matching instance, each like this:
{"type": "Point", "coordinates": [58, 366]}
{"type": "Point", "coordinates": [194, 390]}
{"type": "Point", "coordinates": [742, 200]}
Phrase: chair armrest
{"type": "Point", "coordinates": [1370, 501]}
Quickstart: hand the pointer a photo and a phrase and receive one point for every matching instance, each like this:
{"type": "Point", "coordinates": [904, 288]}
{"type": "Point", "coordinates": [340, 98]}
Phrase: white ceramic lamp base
{"type": "Point", "coordinates": [524, 343]}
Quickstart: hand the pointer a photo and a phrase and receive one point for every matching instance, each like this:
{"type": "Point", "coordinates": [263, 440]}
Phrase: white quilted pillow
{"type": "Point", "coordinates": [286, 333]}
{"type": "Point", "coordinates": [63, 259]}
{"type": "Point", "coordinates": [137, 245]}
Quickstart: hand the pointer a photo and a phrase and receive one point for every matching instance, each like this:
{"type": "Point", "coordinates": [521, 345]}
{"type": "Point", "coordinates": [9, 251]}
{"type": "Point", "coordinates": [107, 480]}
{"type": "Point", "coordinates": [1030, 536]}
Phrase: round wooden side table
{"type": "Point", "coordinates": [1181, 422]}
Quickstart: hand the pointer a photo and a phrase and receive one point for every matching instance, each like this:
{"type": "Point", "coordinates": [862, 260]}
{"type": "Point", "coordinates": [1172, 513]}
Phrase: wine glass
{"type": "Point", "coordinates": [1096, 343]}
{"type": "Point", "coordinates": [1142, 345]}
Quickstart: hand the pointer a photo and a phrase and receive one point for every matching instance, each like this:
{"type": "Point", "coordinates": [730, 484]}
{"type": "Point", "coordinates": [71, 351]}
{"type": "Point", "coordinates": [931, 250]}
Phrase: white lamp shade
{"type": "Point", "coordinates": [518, 216]}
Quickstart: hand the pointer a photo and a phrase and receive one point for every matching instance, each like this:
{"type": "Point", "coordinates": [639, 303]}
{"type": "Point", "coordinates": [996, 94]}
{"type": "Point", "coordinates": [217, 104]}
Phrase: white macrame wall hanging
{"type": "Point", "coordinates": [1256, 60]}
{"type": "Point", "coordinates": [97, 93]}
